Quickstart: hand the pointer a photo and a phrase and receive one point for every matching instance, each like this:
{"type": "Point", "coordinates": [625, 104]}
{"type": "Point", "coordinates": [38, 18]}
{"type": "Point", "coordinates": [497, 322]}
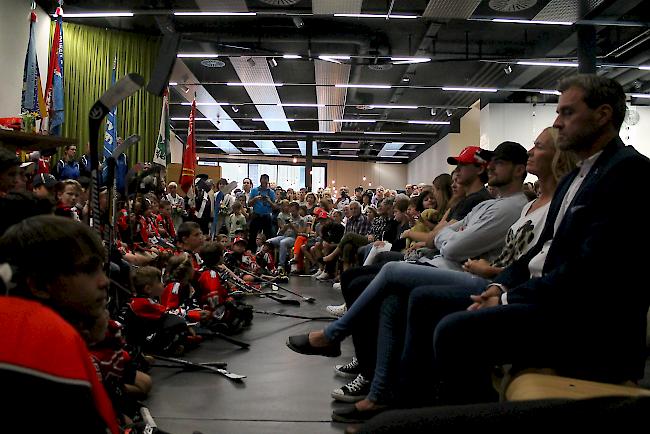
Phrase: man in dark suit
{"type": "Point", "coordinates": [577, 301]}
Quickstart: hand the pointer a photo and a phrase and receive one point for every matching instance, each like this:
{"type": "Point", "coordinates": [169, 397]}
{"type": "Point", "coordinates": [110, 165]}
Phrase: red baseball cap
{"type": "Point", "coordinates": [322, 214]}
{"type": "Point", "coordinates": [469, 155]}
{"type": "Point", "coordinates": [239, 240]}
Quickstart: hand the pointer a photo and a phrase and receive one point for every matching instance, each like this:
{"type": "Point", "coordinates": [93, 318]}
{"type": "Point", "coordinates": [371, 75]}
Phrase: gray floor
{"type": "Point", "coordinates": [284, 392]}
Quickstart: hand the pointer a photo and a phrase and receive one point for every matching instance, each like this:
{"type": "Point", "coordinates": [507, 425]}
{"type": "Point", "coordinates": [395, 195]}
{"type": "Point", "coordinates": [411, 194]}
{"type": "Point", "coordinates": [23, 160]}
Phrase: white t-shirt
{"type": "Point", "coordinates": [523, 234]}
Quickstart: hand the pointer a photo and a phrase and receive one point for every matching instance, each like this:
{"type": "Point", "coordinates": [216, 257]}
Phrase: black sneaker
{"type": "Point", "coordinates": [349, 370]}
{"type": "Point", "coordinates": [354, 391]}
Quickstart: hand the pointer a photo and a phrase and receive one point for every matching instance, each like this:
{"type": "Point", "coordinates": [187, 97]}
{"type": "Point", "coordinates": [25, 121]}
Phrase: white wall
{"type": "Point", "coordinates": [431, 162]}
{"type": "Point", "coordinates": [522, 123]}
{"type": "Point", "coordinates": [14, 35]}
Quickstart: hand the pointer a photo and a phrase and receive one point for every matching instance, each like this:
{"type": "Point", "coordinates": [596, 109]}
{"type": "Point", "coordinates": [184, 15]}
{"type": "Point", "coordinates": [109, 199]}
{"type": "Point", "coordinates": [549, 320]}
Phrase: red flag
{"type": "Point", "coordinates": [189, 155]}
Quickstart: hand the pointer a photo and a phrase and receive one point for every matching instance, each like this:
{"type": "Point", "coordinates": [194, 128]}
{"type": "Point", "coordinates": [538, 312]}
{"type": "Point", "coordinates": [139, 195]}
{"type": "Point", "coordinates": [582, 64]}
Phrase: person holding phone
{"type": "Point", "coordinates": [262, 200]}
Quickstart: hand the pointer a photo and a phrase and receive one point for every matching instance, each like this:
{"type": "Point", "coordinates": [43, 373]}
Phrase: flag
{"type": "Point", "coordinates": [110, 135]}
{"type": "Point", "coordinates": [54, 87]}
{"type": "Point", "coordinates": [32, 98]}
{"type": "Point", "coordinates": [161, 154]}
{"type": "Point", "coordinates": [189, 155]}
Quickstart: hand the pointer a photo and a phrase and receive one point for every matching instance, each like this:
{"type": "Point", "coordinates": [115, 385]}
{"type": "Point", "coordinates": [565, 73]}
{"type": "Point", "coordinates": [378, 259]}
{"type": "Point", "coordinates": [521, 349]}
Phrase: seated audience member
{"type": "Point", "coordinates": [189, 239]}
{"type": "Point", "coordinates": [67, 192]}
{"type": "Point", "coordinates": [69, 286]}
{"type": "Point", "coordinates": [402, 277]}
{"type": "Point", "coordinates": [156, 330]}
{"type": "Point", "coordinates": [9, 167]}
{"type": "Point", "coordinates": [43, 186]}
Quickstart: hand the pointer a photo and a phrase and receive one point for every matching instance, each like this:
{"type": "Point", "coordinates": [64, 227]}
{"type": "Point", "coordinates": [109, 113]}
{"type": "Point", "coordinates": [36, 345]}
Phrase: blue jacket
{"type": "Point", "coordinates": [594, 285]}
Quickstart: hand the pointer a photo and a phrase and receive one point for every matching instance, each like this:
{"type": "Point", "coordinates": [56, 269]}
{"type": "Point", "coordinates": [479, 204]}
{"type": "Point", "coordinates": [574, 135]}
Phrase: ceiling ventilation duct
{"type": "Point", "coordinates": [511, 5]}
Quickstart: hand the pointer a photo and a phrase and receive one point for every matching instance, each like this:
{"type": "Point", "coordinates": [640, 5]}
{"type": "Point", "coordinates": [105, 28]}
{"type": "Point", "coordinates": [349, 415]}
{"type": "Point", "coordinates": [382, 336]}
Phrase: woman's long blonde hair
{"type": "Point", "coordinates": [563, 161]}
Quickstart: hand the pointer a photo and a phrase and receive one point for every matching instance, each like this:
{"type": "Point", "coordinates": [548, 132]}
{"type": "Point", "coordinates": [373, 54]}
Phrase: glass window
{"type": "Point", "coordinates": [291, 176]}
{"type": "Point", "coordinates": [318, 178]}
{"type": "Point", "coordinates": [256, 170]}
{"type": "Point", "coordinates": [234, 172]}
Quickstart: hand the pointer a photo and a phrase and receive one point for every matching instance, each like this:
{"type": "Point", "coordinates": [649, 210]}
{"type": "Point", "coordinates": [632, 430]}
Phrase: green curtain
{"type": "Point", "coordinates": [88, 60]}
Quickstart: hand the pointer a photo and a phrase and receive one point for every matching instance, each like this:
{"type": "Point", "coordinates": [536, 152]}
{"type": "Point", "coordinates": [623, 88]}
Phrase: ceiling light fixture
{"type": "Point", "coordinates": [255, 84]}
{"type": "Point", "coordinates": [251, 62]}
{"type": "Point", "coordinates": [364, 86]}
{"type": "Point", "coordinates": [469, 89]}
{"type": "Point", "coordinates": [272, 120]}
{"type": "Point", "coordinates": [640, 95]}
{"type": "Point", "coordinates": [430, 122]}
{"type": "Point", "coordinates": [206, 103]}
{"type": "Point", "coordinates": [198, 55]}
{"type": "Point", "coordinates": [409, 60]}
{"type": "Point", "coordinates": [644, 67]}
{"type": "Point", "coordinates": [406, 107]}
{"type": "Point", "coordinates": [235, 109]}
{"type": "Point", "coordinates": [515, 21]}
{"type": "Point", "coordinates": [364, 178]}
{"type": "Point", "coordinates": [333, 58]}
{"type": "Point", "coordinates": [397, 16]}
{"type": "Point", "coordinates": [434, 112]}
{"type": "Point", "coordinates": [535, 63]}
{"type": "Point", "coordinates": [380, 132]}
{"type": "Point", "coordinates": [507, 69]}
{"type": "Point", "coordinates": [216, 14]}
{"type": "Point", "coordinates": [549, 92]}
{"type": "Point", "coordinates": [291, 56]}
{"type": "Point", "coordinates": [273, 63]}
{"type": "Point", "coordinates": [406, 80]}
{"type": "Point", "coordinates": [449, 113]}
{"type": "Point", "coordinates": [359, 121]}
{"type": "Point", "coordinates": [172, 83]}
{"type": "Point", "coordinates": [97, 14]}
{"type": "Point", "coordinates": [295, 160]}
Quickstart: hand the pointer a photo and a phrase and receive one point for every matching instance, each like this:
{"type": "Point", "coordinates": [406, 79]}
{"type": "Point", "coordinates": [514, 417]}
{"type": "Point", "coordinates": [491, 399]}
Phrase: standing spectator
{"type": "Point", "coordinates": [247, 184]}
{"type": "Point", "coordinates": [43, 186]}
{"type": "Point", "coordinates": [302, 196]}
{"type": "Point", "coordinates": [262, 200]}
{"type": "Point", "coordinates": [343, 200]}
{"type": "Point", "coordinates": [379, 195]}
{"type": "Point", "coordinates": [67, 167]}
{"type": "Point", "coordinates": [236, 220]}
{"type": "Point", "coordinates": [358, 194]}
{"type": "Point", "coordinates": [177, 203]}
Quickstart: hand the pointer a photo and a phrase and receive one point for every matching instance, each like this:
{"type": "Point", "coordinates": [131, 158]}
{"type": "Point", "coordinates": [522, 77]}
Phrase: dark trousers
{"type": "Point", "coordinates": [259, 223]}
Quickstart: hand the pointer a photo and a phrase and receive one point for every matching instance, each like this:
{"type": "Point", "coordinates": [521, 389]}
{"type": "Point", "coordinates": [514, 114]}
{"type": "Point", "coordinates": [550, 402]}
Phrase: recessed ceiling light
{"type": "Point", "coordinates": [515, 21]}
{"type": "Point", "coordinates": [397, 16]}
{"type": "Point", "coordinates": [640, 95]}
{"type": "Point", "coordinates": [535, 63]}
{"type": "Point", "coordinates": [549, 92]}
{"type": "Point", "coordinates": [255, 84]}
{"type": "Point", "coordinates": [97, 14]}
{"type": "Point", "coordinates": [364, 86]}
{"type": "Point", "coordinates": [198, 55]}
{"type": "Point", "coordinates": [430, 122]}
{"type": "Point", "coordinates": [216, 14]}
{"type": "Point", "coordinates": [644, 67]}
{"type": "Point", "coordinates": [291, 56]}
{"type": "Point", "coordinates": [409, 60]}
{"type": "Point", "coordinates": [388, 106]}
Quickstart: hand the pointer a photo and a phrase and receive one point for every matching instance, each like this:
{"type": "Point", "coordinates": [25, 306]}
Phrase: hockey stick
{"type": "Point", "coordinates": [313, 318]}
{"type": "Point", "coordinates": [214, 364]}
{"type": "Point", "coordinates": [219, 335]}
{"type": "Point", "coordinates": [111, 181]}
{"type": "Point", "coordinates": [121, 90]}
{"type": "Point", "coordinates": [220, 371]}
{"type": "Point", "coordinates": [274, 297]}
{"type": "Point", "coordinates": [307, 299]}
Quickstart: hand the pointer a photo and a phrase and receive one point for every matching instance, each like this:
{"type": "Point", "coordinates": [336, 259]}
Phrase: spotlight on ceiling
{"type": "Point", "coordinates": [448, 113]}
{"type": "Point", "coordinates": [434, 111]}
{"type": "Point", "coordinates": [235, 109]}
{"type": "Point", "coordinates": [507, 69]}
{"type": "Point", "coordinates": [295, 160]}
{"type": "Point", "coordinates": [250, 61]}
{"type": "Point", "coordinates": [273, 63]}
{"type": "Point", "coordinates": [406, 80]}
{"type": "Point", "coordinates": [298, 22]}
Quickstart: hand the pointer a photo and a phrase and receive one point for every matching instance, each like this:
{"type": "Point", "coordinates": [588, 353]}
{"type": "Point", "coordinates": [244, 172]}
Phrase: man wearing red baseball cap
{"type": "Point", "coordinates": [472, 175]}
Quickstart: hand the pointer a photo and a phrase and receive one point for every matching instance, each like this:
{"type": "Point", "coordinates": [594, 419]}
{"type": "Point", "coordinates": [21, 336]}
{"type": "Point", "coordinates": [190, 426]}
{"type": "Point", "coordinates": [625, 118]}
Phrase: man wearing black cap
{"type": "Point", "coordinates": [43, 185]}
{"type": "Point", "coordinates": [8, 171]}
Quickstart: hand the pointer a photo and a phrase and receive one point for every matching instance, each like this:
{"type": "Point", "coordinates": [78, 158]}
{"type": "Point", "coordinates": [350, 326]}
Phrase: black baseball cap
{"type": "Point", "coordinates": [8, 159]}
{"type": "Point", "coordinates": [507, 151]}
{"type": "Point", "coordinates": [44, 179]}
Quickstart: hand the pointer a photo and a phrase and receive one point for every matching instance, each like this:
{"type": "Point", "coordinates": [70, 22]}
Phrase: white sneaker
{"type": "Point", "coordinates": [337, 311]}
{"type": "Point", "coordinates": [337, 286]}
{"type": "Point", "coordinates": [316, 274]}
{"type": "Point", "coordinates": [324, 276]}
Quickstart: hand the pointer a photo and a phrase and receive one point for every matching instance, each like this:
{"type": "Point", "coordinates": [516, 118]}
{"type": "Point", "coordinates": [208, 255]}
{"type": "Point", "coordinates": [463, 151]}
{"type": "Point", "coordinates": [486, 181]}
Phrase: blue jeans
{"type": "Point", "coordinates": [285, 243]}
{"type": "Point", "coordinates": [397, 277]}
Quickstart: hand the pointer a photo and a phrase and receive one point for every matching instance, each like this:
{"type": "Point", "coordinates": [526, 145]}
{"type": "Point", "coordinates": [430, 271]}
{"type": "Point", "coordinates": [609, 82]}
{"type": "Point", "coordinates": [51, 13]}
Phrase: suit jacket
{"type": "Point", "coordinates": [593, 284]}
